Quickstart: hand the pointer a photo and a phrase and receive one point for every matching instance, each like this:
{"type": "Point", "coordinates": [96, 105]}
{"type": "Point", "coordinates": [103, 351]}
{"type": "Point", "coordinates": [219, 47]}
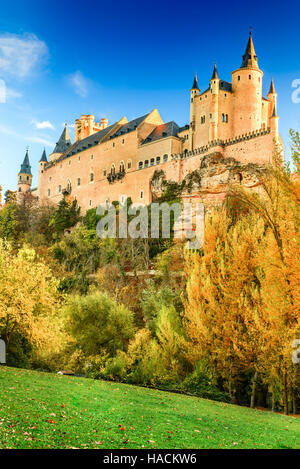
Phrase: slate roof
{"type": "Point", "coordinates": [250, 57]}
{"type": "Point", "coordinates": [162, 131]}
{"type": "Point", "coordinates": [132, 125]}
{"type": "Point", "coordinates": [89, 142]}
{"type": "Point", "coordinates": [64, 142]}
{"type": "Point", "coordinates": [225, 85]}
{"type": "Point", "coordinates": [44, 157]}
{"type": "Point", "coordinates": [25, 166]}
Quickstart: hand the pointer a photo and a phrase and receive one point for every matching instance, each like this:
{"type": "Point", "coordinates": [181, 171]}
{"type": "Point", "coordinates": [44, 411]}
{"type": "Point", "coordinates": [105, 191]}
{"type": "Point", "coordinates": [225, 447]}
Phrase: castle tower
{"type": "Point", "coordinates": [194, 92]}
{"type": "Point", "coordinates": [272, 97]}
{"type": "Point", "coordinates": [42, 163]}
{"type": "Point", "coordinates": [62, 145]}
{"type": "Point", "coordinates": [24, 178]}
{"type": "Point", "coordinates": [247, 93]}
{"type": "Point", "coordinates": [214, 105]}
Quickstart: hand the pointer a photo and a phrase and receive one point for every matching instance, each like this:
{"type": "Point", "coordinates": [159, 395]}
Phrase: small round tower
{"type": "Point", "coordinates": [194, 92]}
{"type": "Point", "coordinates": [247, 93]}
{"type": "Point", "coordinates": [214, 105]}
{"type": "Point", "coordinates": [24, 177]}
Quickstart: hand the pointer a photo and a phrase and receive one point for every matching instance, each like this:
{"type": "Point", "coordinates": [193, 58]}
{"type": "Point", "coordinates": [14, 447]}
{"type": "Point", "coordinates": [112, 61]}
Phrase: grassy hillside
{"type": "Point", "coordinates": [39, 410]}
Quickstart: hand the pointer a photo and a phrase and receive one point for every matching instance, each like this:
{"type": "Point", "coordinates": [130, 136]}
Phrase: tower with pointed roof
{"type": "Point", "coordinates": [247, 90]}
{"type": "Point", "coordinates": [214, 105]}
{"type": "Point", "coordinates": [194, 92]}
{"type": "Point", "coordinates": [24, 177]}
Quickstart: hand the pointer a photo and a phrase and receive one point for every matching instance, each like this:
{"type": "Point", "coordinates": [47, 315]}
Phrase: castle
{"type": "Point", "coordinates": [229, 122]}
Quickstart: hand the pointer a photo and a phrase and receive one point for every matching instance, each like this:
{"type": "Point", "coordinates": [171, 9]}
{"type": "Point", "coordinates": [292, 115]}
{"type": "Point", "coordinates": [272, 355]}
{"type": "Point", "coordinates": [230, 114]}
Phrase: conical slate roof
{"type": "Point", "coordinates": [25, 166]}
{"type": "Point", "coordinates": [64, 142]}
{"type": "Point", "coordinates": [215, 73]}
{"type": "Point", "coordinates": [44, 157]}
{"type": "Point", "coordinates": [195, 84]}
{"type": "Point", "coordinates": [250, 57]}
{"type": "Point", "coordinates": [272, 88]}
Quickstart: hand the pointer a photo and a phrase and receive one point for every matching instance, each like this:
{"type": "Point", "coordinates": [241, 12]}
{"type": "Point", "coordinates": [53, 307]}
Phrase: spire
{"type": "Point", "coordinates": [64, 142]}
{"type": "Point", "coordinates": [195, 84]}
{"type": "Point", "coordinates": [272, 88]}
{"type": "Point", "coordinates": [250, 57]}
{"type": "Point", "coordinates": [215, 73]}
{"type": "Point", "coordinates": [25, 166]}
{"type": "Point", "coordinates": [44, 157]}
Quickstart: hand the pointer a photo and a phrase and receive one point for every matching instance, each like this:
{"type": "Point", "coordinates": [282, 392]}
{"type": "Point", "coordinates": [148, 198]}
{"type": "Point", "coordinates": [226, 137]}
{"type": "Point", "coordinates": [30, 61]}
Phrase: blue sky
{"type": "Point", "coordinates": [59, 60]}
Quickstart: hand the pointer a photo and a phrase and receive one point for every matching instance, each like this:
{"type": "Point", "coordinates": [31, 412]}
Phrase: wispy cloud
{"type": "Point", "coordinates": [79, 84]}
{"type": "Point", "coordinates": [20, 55]}
{"type": "Point", "coordinates": [34, 139]}
{"type": "Point", "coordinates": [43, 125]}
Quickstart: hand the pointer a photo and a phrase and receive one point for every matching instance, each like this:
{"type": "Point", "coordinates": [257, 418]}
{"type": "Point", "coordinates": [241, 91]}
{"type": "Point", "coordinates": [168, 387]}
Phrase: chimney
{"type": "Point", "coordinates": [104, 123]}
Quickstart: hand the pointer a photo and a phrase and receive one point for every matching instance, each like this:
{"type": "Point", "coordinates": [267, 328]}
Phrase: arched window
{"type": "Point", "coordinates": [69, 187]}
{"type": "Point", "coordinates": [158, 160]}
{"type": "Point", "coordinates": [78, 182]}
{"type": "Point", "coordinates": [92, 177]}
{"type": "Point", "coordinates": [152, 162]}
{"type": "Point", "coordinates": [122, 167]}
{"type": "Point", "coordinates": [59, 189]}
{"type": "Point", "coordinates": [141, 165]}
{"type": "Point", "coordinates": [129, 164]}
{"type": "Point", "coordinates": [113, 169]}
{"type": "Point", "coordinates": [146, 163]}
{"type": "Point", "coordinates": [165, 158]}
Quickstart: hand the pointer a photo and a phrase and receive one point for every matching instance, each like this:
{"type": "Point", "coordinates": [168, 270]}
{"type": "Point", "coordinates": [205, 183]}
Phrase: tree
{"type": "Point", "coordinates": [99, 323]}
{"type": "Point", "coordinates": [66, 216]}
{"type": "Point", "coordinates": [28, 299]}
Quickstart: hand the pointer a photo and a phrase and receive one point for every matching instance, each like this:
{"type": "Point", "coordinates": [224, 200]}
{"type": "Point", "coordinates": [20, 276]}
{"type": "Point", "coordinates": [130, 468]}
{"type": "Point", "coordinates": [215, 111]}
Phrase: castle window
{"type": "Point", "coordinates": [78, 158]}
{"type": "Point", "coordinates": [158, 160]}
{"type": "Point", "coordinates": [152, 161]}
{"type": "Point", "coordinates": [91, 177]}
{"type": "Point", "coordinates": [142, 195]}
{"type": "Point", "coordinates": [49, 192]}
{"type": "Point", "coordinates": [20, 178]}
{"type": "Point", "coordinates": [239, 78]}
{"type": "Point", "coordinates": [27, 178]}
{"type": "Point", "coordinates": [114, 145]}
{"type": "Point", "coordinates": [249, 77]}
{"type": "Point", "coordinates": [128, 164]}
{"type": "Point", "coordinates": [59, 189]}
{"type": "Point", "coordinates": [203, 120]}
{"type": "Point", "coordinates": [192, 100]}
{"type": "Point", "coordinates": [122, 167]}
{"type": "Point", "coordinates": [78, 182]}
{"type": "Point", "coordinates": [19, 189]}
{"type": "Point", "coordinates": [92, 157]}
{"type": "Point", "coordinates": [140, 165]}
{"type": "Point", "coordinates": [113, 169]}
{"type": "Point", "coordinates": [123, 141]}
{"type": "Point", "coordinates": [165, 158]}
{"type": "Point", "coordinates": [104, 172]}
{"type": "Point", "coordinates": [69, 162]}
{"type": "Point", "coordinates": [90, 203]}
{"type": "Point", "coordinates": [146, 163]}
{"type": "Point", "coordinates": [223, 118]}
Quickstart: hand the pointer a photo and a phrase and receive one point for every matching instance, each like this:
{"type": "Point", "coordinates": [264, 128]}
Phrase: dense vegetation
{"type": "Point", "coordinates": [218, 322]}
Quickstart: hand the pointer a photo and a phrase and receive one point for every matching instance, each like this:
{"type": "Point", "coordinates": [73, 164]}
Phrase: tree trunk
{"type": "Point", "coordinates": [294, 403]}
{"type": "Point", "coordinates": [285, 395]}
{"type": "Point", "coordinates": [254, 381]}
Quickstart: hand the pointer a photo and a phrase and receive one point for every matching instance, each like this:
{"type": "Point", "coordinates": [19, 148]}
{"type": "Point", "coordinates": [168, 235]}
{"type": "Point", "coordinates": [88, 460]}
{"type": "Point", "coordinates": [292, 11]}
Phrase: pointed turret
{"type": "Point", "coordinates": [64, 142]}
{"type": "Point", "coordinates": [250, 57]}
{"type": "Point", "coordinates": [272, 88]}
{"type": "Point", "coordinates": [215, 73]}
{"type": "Point", "coordinates": [44, 157]}
{"type": "Point", "coordinates": [25, 166]}
{"type": "Point", "coordinates": [24, 178]}
{"type": "Point", "coordinates": [195, 84]}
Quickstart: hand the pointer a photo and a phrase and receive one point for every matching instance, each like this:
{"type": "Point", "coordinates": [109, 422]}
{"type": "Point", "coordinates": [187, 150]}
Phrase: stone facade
{"type": "Point", "coordinates": [231, 120]}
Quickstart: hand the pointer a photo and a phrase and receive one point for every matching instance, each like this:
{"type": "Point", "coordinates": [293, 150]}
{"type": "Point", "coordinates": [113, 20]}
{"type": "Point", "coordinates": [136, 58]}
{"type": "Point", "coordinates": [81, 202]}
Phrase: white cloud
{"type": "Point", "coordinates": [11, 94]}
{"type": "Point", "coordinates": [34, 139]}
{"type": "Point", "coordinates": [79, 84]}
{"type": "Point", "coordinates": [43, 125]}
{"type": "Point", "coordinates": [21, 54]}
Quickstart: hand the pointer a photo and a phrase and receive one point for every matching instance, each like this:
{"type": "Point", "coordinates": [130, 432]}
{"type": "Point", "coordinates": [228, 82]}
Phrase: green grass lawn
{"type": "Point", "coordinates": [40, 410]}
